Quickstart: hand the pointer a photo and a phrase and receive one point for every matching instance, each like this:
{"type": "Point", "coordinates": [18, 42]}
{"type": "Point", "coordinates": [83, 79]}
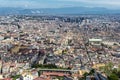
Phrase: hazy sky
{"type": "Point", "coordinates": [60, 3]}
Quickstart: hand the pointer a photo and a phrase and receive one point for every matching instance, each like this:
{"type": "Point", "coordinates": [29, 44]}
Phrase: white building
{"type": "Point", "coordinates": [95, 41]}
{"type": "Point", "coordinates": [27, 77]}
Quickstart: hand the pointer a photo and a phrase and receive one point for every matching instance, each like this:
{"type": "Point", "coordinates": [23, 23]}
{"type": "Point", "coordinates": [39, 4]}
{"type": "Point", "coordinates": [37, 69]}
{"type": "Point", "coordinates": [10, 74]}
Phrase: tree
{"type": "Point", "coordinates": [39, 73]}
{"type": "Point", "coordinates": [108, 68]}
{"type": "Point", "coordinates": [15, 77]}
{"type": "Point", "coordinates": [92, 71]}
{"type": "Point", "coordinates": [85, 75]}
{"type": "Point", "coordinates": [113, 77]}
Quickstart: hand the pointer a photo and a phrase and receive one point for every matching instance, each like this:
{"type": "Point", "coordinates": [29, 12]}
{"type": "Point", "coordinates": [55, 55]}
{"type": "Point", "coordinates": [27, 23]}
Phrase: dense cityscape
{"type": "Point", "coordinates": [84, 47]}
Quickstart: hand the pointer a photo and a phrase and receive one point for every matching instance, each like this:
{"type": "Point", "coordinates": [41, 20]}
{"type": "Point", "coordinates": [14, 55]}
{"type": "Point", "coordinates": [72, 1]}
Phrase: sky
{"type": "Point", "coordinates": [111, 4]}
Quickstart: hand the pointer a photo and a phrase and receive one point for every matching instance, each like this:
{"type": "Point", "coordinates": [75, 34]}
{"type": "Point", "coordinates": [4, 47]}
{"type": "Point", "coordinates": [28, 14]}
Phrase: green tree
{"type": "Point", "coordinates": [113, 77]}
{"type": "Point", "coordinates": [92, 71]}
{"type": "Point", "coordinates": [15, 77]}
{"type": "Point", "coordinates": [108, 68]}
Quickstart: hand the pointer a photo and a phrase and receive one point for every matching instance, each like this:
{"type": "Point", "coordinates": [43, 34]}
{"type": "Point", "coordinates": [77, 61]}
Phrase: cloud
{"type": "Point", "coordinates": [59, 3]}
{"type": "Point", "coordinates": [107, 2]}
{"type": "Point", "coordinates": [115, 4]}
{"type": "Point", "coordinates": [23, 3]}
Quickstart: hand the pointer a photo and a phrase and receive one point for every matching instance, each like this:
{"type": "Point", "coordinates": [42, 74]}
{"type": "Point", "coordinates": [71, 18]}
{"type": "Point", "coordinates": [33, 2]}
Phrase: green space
{"type": "Point", "coordinates": [15, 77]}
{"type": "Point", "coordinates": [110, 72]}
{"type": "Point", "coordinates": [48, 66]}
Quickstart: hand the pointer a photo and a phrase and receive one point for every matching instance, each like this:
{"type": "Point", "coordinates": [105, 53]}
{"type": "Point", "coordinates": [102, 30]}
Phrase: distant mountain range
{"type": "Point", "coordinates": [67, 10]}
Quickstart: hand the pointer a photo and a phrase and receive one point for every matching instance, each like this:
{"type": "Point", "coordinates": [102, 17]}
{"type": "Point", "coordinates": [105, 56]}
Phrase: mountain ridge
{"type": "Point", "coordinates": [65, 10]}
